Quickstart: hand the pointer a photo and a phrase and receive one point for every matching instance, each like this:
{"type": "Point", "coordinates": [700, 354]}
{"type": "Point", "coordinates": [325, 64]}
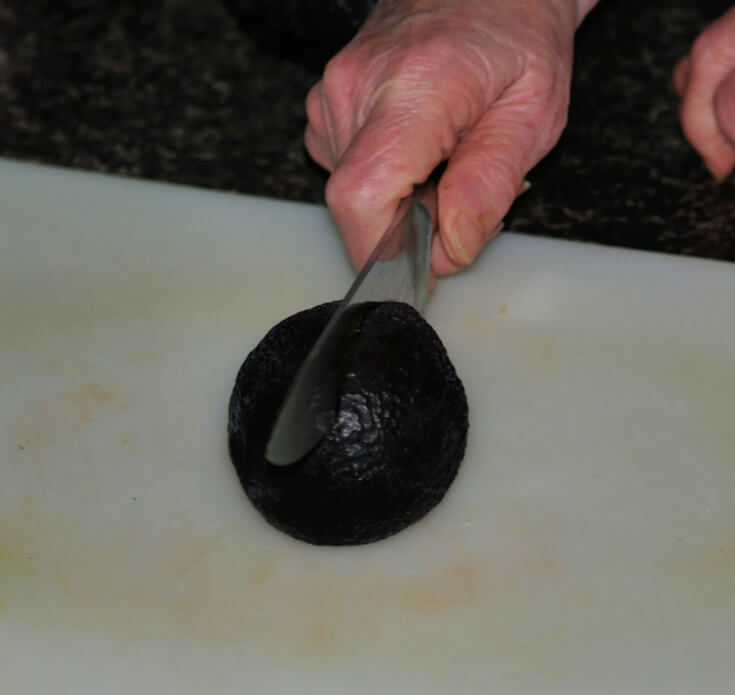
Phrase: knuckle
{"type": "Point", "coordinates": [343, 194]}
{"type": "Point", "coordinates": [338, 72]}
{"type": "Point", "coordinates": [420, 61]}
{"type": "Point", "coordinates": [547, 96]}
{"type": "Point", "coordinates": [542, 80]}
{"type": "Point", "coordinates": [438, 49]}
{"type": "Point", "coordinates": [546, 83]}
{"type": "Point", "coordinates": [705, 49]}
{"type": "Point", "coordinates": [342, 78]}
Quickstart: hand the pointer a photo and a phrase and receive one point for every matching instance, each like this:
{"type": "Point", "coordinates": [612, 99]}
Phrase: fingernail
{"type": "Point", "coordinates": [524, 187]}
{"type": "Point", "coordinates": [466, 232]}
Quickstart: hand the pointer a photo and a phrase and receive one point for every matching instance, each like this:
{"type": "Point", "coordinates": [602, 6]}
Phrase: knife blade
{"type": "Point", "coordinates": [397, 270]}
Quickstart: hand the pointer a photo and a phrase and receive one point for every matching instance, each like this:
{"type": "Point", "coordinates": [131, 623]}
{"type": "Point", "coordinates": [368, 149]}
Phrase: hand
{"type": "Point", "coordinates": [480, 84]}
{"type": "Point", "coordinates": [705, 81]}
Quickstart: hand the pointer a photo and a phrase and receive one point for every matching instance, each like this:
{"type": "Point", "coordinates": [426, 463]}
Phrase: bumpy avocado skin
{"type": "Point", "coordinates": [396, 443]}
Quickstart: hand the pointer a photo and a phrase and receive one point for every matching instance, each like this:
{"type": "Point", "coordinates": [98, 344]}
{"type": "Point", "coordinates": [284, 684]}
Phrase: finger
{"type": "Point", "coordinates": [320, 130]}
{"type": "Point", "coordinates": [398, 146]}
{"type": "Point", "coordinates": [725, 107]}
{"type": "Point", "coordinates": [442, 264]}
{"type": "Point", "coordinates": [485, 175]}
{"type": "Point", "coordinates": [318, 149]}
{"type": "Point", "coordinates": [314, 113]}
{"type": "Point", "coordinates": [702, 129]}
{"type": "Point", "coordinates": [681, 75]}
{"type": "Point", "coordinates": [698, 119]}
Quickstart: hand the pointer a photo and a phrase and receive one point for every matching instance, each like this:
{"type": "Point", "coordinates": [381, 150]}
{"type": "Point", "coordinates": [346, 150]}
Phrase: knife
{"type": "Point", "coordinates": [397, 270]}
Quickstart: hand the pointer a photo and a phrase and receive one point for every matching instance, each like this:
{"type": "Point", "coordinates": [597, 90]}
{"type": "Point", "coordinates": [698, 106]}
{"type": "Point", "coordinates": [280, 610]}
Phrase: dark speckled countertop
{"type": "Point", "coordinates": [174, 90]}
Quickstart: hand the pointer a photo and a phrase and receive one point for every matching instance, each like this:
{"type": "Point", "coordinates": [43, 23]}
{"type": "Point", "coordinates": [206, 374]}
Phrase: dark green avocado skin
{"type": "Point", "coordinates": [396, 443]}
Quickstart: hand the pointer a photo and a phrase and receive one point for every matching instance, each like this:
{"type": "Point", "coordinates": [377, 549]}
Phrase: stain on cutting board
{"type": "Point", "coordinates": [586, 546]}
{"type": "Point", "coordinates": [62, 414]}
{"type": "Point", "coordinates": [523, 603]}
{"type": "Point", "coordinates": [502, 574]}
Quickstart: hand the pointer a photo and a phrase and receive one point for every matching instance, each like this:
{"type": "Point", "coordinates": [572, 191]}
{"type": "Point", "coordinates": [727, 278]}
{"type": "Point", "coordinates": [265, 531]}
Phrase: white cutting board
{"type": "Point", "coordinates": [587, 545]}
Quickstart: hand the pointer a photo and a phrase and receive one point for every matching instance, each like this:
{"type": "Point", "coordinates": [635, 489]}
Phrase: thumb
{"type": "Point", "coordinates": [485, 175]}
{"type": "Point", "coordinates": [725, 107]}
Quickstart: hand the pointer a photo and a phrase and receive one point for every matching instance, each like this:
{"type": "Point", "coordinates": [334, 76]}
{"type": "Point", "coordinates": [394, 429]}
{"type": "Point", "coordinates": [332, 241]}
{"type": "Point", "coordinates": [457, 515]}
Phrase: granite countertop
{"type": "Point", "coordinates": [175, 90]}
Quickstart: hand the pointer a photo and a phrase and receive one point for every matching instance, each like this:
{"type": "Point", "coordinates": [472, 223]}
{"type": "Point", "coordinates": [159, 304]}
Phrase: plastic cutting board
{"type": "Point", "coordinates": [587, 545]}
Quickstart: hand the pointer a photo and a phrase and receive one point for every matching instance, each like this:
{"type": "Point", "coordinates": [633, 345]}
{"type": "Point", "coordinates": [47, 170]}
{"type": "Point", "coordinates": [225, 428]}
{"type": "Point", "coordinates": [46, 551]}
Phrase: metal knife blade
{"type": "Point", "coordinates": [398, 270]}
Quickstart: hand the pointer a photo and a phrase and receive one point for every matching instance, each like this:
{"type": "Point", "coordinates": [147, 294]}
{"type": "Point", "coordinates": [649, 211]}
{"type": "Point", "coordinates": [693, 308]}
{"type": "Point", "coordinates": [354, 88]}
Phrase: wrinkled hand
{"type": "Point", "coordinates": [705, 81]}
{"type": "Point", "coordinates": [480, 84]}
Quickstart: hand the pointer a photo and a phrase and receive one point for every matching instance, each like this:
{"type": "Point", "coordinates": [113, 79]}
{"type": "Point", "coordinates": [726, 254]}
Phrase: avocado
{"type": "Point", "coordinates": [396, 441]}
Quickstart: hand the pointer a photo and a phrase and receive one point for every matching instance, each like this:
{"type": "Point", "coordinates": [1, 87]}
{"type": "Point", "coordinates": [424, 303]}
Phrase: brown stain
{"type": "Point", "coordinates": [27, 431]}
{"type": "Point", "coordinates": [65, 413]}
{"type": "Point", "coordinates": [720, 561]}
{"type": "Point", "coordinates": [317, 629]}
{"type": "Point", "coordinates": [207, 588]}
{"type": "Point", "coordinates": [17, 563]}
{"type": "Point", "coordinates": [262, 573]}
{"type": "Point", "coordinates": [539, 347]}
{"type": "Point", "coordinates": [197, 555]}
{"type": "Point", "coordinates": [240, 586]}
{"type": "Point", "coordinates": [84, 403]}
{"type": "Point", "coordinates": [457, 585]}
{"type": "Point", "coordinates": [546, 353]}
{"type": "Point", "coordinates": [319, 640]}
{"type": "Point", "coordinates": [504, 309]}
{"type": "Point", "coordinates": [329, 614]}
{"type": "Point", "coordinates": [142, 357]}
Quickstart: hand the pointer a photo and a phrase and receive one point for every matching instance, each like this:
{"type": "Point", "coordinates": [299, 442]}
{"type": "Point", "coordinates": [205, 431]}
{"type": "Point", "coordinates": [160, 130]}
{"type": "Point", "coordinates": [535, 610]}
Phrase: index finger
{"type": "Point", "coordinates": [399, 145]}
{"type": "Point", "coordinates": [709, 67]}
